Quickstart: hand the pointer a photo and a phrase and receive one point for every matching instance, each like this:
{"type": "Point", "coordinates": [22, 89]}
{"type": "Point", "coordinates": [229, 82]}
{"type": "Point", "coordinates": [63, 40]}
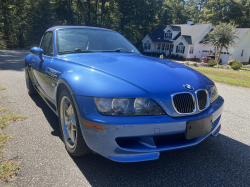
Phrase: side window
{"type": "Point", "coordinates": [47, 44]}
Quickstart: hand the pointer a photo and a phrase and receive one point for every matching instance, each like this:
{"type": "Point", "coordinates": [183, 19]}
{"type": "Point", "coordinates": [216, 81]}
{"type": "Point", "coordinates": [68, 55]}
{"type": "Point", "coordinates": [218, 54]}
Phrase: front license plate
{"type": "Point", "coordinates": [197, 128]}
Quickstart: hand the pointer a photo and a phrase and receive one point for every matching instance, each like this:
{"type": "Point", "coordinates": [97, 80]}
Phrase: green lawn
{"type": "Point", "coordinates": [236, 78]}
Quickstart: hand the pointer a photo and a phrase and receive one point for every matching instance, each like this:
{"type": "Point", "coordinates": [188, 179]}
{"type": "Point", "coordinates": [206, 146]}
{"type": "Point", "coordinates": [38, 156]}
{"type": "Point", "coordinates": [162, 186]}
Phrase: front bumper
{"type": "Point", "coordinates": [132, 139]}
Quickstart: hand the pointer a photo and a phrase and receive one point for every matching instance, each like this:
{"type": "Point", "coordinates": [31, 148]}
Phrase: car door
{"type": "Point", "coordinates": [39, 66]}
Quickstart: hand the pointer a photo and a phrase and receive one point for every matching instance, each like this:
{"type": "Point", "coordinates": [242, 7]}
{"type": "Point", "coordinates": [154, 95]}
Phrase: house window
{"type": "Point", "coordinates": [159, 46]}
{"type": "Point", "coordinates": [242, 52]}
{"type": "Point", "coordinates": [147, 45]}
{"type": "Point", "coordinates": [171, 48]}
{"type": "Point", "coordinates": [168, 35]}
{"type": "Point", "coordinates": [163, 47]}
{"type": "Point", "coordinates": [180, 48]}
{"type": "Point", "coordinates": [191, 50]}
{"type": "Point", "coordinates": [167, 47]}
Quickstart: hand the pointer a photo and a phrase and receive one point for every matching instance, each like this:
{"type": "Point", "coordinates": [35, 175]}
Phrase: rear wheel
{"type": "Point", "coordinates": [70, 129]}
{"type": "Point", "coordinates": [30, 87]}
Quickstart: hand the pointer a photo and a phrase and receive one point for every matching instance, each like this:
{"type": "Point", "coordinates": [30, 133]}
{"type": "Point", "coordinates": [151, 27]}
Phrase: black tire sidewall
{"type": "Point", "coordinates": [71, 150]}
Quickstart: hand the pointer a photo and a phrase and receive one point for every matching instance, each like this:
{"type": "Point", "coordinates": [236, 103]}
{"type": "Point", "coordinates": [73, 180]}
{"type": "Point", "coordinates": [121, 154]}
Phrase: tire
{"type": "Point", "coordinates": [69, 125]}
{"type": "Point", "coordinates": [30, 87]}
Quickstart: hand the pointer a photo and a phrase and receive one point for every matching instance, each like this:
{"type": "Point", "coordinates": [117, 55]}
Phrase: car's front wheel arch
{"type": "Point", "coordinates": [82, 147]}
{"type": "Point", "coordinates": [63, 85]}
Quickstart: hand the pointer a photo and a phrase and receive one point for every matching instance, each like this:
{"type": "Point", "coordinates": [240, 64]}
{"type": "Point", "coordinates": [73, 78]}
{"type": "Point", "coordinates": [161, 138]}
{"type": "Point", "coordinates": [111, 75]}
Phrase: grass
{"type": "Point", "coordinates": [4, 139]}
{"type": "Point", "coordinates": [235, 78]}
{"type": "Point", "coordinates": [9, 169]}
{"type": "Point", "coordinates": [3, 109]}
{"type": "Point", "coordinates": [10, 118]}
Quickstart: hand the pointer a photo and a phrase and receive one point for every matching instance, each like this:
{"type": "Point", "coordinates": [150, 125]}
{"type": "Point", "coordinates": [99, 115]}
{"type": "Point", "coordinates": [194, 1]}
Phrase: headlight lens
{"type": "Point", "coordinates": [127, 107]}
{"type": "Point", "coordinates": [103, 104]}
{"type": "Point", "coordinates": [214, 94]}
{"type": "Point", "coordinates": [120, 105]}
{"type": "Point", "coordinates": [141, 104]}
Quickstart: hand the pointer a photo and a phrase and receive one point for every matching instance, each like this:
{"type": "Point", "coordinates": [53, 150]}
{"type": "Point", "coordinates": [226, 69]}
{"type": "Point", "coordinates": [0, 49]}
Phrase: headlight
{"type": "Point", "coordinates": [127, 107]}
{"type": "Point", "coordinates": [119, 106]}
{"type": "Point", "coordinates": [214, 94]}
{"type": "Point", "coordinates": [141, 104]}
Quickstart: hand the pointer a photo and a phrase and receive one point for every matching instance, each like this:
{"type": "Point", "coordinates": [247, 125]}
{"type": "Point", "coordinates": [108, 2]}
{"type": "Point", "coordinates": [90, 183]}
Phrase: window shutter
{"type": "Point", "coordinates": [183, 49]}
{"type": "Point", "coordinates": [177, 49]}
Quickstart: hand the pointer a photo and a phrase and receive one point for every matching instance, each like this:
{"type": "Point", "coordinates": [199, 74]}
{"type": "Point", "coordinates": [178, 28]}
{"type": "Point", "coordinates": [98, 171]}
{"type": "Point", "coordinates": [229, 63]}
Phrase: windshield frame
{"type": "Point", "coordinates": [56, 41]}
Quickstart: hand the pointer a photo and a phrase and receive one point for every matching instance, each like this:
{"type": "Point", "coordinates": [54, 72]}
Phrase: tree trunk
{"type": "Point", "coordinates": [20, 41]}
{"type": "Point", "coordinates": [160, 13]}
{"type": "Point", "coordinates": [88, 12]}
{"type": "Point", "coordinates": [97, 9]}
{"type": "Point", "coordinates": [218, 60]}
{"type": "Point", "coordinates": [102, 9]}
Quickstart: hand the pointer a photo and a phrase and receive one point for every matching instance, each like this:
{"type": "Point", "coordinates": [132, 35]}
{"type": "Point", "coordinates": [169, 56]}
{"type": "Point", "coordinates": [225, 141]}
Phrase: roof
{"type": "Point", "coordinates": [188, 39]}
{"type": "Point", "coordinates": [241, 32]}
{"type": "Point", "coordinates": [175, 28]}
{"type": "Point", "coordinates": [75, 27]}
{"type": "Point", "coordinates": [190, 32]}
{"type": "Point", "coordinates": [158, 35]}
{"type": "Point", "coordinates": [193, 31]}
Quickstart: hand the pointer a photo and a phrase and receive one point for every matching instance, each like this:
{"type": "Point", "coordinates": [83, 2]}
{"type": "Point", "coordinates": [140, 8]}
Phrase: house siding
{"type": "Point", "coordinates": [174, 34]}
{"type": "Point", "coordinates": [244, 44]}
{"type": "Point", "coordinates": [186, 47]}
{"type": "Point", "coordinates": [197, 47]}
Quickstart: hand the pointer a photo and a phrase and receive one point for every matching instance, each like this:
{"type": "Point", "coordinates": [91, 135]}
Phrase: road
{"type": "Point", "coordinates": [220, 161]}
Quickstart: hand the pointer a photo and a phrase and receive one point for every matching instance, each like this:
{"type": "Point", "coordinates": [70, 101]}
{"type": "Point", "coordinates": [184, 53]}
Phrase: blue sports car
{"type": "Point", "coordinates": [116, 102]}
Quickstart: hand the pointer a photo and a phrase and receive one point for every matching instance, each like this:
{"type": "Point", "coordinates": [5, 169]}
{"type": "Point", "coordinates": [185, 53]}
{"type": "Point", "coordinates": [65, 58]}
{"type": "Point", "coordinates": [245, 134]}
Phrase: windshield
{"type": "Point", "coordinates": [91, 40]}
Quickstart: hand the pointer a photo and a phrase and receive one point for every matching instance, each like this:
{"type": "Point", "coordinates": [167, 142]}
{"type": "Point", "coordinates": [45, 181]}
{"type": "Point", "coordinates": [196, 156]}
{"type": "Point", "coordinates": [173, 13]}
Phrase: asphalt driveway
{"type": "Point", "coordinates": [220, 161]}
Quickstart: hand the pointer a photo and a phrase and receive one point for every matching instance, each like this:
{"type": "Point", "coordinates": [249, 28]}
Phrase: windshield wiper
{"type": "Point", "coordinates": [119, 50]}
{"type": "Point", "coordinates": [75, 51]}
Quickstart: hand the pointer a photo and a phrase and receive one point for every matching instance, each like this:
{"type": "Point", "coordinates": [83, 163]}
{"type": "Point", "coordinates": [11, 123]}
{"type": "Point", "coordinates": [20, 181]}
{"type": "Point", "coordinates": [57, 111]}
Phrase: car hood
{"type": "Point", "coordinates": [157, 78]}
{"type": "Point", "coordinates": [151, 74]}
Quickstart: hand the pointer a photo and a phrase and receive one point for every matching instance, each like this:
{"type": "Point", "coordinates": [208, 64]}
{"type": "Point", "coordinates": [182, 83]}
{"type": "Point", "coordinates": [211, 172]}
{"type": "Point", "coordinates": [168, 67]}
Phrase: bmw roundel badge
{"type": "Point", "coordinates": [188, 86]}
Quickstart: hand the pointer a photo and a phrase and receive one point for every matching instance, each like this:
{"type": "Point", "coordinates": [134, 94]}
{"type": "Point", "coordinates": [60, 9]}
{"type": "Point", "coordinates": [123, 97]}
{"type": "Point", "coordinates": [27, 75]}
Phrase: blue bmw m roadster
{"type": "Point", "coordinates": [114, 101]}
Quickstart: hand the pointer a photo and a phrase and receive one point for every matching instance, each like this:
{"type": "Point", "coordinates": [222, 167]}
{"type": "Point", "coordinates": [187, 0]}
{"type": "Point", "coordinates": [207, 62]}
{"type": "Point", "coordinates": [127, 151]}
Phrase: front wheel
{"type": "Point", "coordinates": [70, 129]}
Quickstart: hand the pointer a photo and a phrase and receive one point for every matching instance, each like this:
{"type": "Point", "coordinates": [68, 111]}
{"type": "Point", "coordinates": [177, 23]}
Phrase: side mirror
{"type": "Point", "coordinates": [37, 51]}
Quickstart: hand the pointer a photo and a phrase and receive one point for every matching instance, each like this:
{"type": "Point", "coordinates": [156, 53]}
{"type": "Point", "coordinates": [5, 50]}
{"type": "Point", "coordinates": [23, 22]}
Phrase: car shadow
{"type": "Point", "coordinates": [220, 161]}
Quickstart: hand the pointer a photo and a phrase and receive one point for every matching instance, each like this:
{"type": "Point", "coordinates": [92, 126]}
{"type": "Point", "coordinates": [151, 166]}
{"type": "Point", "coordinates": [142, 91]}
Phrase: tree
{"type": "Point", "coordinates": [173, 12]}
{"type": "Point", "coordinates": [223, 36]}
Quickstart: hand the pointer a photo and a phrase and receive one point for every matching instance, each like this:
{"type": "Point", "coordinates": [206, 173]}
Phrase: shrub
{"type": "Point", "coordinates": [230, 62]}
{"type": "Point", "coordinates": [211, 63]}
{"type": "Point", "coordinates": [180, 56]}
{"type": "Point", "coordinates": [236, 65]}
{"type": "Point", "coordinates": [2, 44]}
{"type": "Point", "coordinates": [187, 63]}
{"type": "Point", "coordinates": [176, 56]}
{"type": "Point", "coordinates": [195, 64]}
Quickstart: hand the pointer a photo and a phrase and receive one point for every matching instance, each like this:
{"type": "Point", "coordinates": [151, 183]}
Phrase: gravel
{"type": "Point", "coordinates": [220, 161]}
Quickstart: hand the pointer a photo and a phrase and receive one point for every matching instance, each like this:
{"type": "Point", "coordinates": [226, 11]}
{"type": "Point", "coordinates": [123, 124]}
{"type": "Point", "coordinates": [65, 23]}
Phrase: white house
{"type": "Point", "coordinates": [185, 40]}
